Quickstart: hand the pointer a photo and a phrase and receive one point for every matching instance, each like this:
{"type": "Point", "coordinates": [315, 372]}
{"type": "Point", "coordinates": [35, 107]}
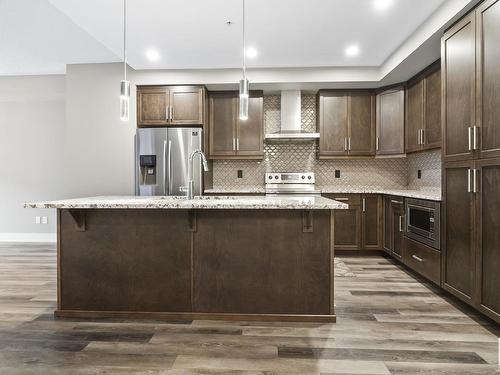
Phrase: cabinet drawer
{"type": "Point", "coordinates": [423, 259]}
{"type": "Point", "coordinates": [350, 199]}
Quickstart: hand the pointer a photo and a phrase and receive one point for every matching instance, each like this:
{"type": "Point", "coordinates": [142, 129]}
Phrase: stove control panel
{"type": "Point", "coordinates": [289, 178]}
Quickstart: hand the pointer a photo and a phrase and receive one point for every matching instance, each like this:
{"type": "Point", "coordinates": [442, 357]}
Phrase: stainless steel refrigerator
{"type": "Point", "coordinates": [162, 157]}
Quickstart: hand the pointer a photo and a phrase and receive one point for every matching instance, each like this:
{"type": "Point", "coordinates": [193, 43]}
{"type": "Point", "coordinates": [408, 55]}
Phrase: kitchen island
{"type": "Point", "coordinates": [247, 258]}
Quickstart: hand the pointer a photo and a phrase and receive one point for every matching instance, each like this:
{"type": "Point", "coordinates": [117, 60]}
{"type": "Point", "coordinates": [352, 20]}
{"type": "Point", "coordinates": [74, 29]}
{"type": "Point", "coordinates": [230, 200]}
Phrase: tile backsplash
{"type": "Point", "coordinates": [300, 156]}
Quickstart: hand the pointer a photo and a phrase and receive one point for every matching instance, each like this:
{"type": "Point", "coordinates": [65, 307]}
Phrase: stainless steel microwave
{"type": "Point", "coordinates": [423, 221]}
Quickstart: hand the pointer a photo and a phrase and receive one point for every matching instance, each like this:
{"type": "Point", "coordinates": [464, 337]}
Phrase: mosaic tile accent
{"type": "Point", "coordinates": [300, 156]}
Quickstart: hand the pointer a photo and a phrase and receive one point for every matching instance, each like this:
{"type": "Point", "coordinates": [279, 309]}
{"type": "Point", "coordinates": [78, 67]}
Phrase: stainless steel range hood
{"type": "Point", "coordinates": [291, 119]}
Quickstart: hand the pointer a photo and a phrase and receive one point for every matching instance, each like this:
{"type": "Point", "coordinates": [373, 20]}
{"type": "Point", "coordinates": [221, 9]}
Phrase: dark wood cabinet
{"type": "Point", "coordinates": [230, 137]}
{"type": "Point", "coordinates": [371, 222]}
{"type": "Point", "coordinates": [488, 79]}
{"type": "Point", "coordinates": [423, 110]}
{"type": "Point", "coordinates": [347, 223]}
{"type": "Point", "coordinates": [423, 259]}
{"type": "Point", "coordinates": [414, 116]}
{"type": "Point", "coordinates": [346, 123]}
{"type": "Point", "coordinates": [333, 120]}
{"type": "Point", "coordinates": [458, 57]}
{"type": "Point", "coordinates": [170, 105]}
{"type": "Point", "coordinates": [360, 226]}
{"type": "Point", "coordinates": [471, 155]}
{"type": "Point", "coordinates": [394, 226]}
{"type": "Point", "coordinates": [390, 122]}
{"type": "Point", "coordinates": [488, 236]}
{"type": "Point", "coordinates": [432, 110]}
{"type": "Point", "coordinates": [458, 237]}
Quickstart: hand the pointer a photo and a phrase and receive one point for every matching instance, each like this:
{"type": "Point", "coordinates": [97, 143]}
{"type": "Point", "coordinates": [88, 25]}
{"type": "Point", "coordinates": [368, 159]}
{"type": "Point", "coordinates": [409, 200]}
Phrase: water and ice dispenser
{"type": "Point", "coordinates": [149, 174]}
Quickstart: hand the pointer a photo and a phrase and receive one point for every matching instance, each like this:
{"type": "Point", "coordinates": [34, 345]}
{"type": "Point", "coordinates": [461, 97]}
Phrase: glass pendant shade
{"type": "Point", "coordinates": [243, 99]}
{"type": "Point", "coordinates": [124, 100]}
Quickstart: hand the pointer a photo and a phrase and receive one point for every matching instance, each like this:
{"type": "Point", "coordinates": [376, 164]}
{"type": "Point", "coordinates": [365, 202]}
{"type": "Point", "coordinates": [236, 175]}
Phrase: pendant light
{"type": "Point", "coordinates": [244, 81]}
{"type": "Point", "coordinates": [124, 84]}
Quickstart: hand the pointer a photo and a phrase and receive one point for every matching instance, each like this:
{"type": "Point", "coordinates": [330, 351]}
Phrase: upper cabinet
{"type": "Point", "coordinates": [230, 137]}
{"type": "Point", "coordinates": [170, 105]}
{"type": "Point", "coordinates": [423, 111]}
{"type": "Point", "coordinates": [390, 122]}
{"type": "Point", "coordinates": [471, 85]}
{"type": "Point", "coordinates": [346, 123]}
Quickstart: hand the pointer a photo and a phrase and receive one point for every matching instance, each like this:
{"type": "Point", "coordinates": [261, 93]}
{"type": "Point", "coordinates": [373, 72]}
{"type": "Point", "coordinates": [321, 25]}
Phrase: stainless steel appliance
{"type": "Point", "coordinates": [423, 221]}
{"type": "Point", "coordinates": [290, 183]}
{"type": "Point", "coordinates": [162, 160]}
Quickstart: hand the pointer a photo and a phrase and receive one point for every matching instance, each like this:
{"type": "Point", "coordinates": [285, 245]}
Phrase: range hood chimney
{"type": "Point", "coordinates": [291, 118]}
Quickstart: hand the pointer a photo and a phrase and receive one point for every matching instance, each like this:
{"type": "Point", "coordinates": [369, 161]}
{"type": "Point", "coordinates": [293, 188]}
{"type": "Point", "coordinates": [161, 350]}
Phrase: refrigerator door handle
{"type": "Point", "coordinates": [164, 167]}
{"type": "Point", "coordinates": [169, 162]}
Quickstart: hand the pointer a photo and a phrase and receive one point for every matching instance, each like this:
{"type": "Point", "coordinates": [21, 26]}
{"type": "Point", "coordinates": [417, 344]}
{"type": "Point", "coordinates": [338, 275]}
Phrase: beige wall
{"type": "Point", "coordinates": [32, 122]}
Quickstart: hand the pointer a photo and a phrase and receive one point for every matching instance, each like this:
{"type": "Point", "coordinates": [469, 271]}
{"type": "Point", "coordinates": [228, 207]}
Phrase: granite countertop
{"type": "Point", "coordinates": [204, 202]}
{"type": "Point", "coordinates": [434, 195]}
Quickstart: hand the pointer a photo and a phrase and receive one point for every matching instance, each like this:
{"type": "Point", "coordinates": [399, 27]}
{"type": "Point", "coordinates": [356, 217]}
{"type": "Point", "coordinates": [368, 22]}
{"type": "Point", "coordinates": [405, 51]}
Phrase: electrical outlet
{"type": "Point", "coordinates": [337, 173]}
{"type": "Point", "coordinates": [45, 220]}
{"type": "Point", "coordinates": [37, 220]}
{"type": "Point", "coordinates": [240, 173]}
{"type": "Point", "coordinates": [419, 174]}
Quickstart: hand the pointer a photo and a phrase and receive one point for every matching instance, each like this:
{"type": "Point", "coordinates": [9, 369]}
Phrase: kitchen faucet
{"type": "Point", "coordinates": [190, 189]}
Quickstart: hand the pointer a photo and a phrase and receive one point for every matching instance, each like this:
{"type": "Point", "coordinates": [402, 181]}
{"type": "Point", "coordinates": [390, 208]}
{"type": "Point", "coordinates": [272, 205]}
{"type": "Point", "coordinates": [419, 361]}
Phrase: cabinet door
{"type": "Point", "coordinates": [458, 66]}
{"type": "Point", "coordinates": [387, 224]}
{"type": "Point", "coordinates": [397, 216]}
{"type": "Point", "coordinates": [414, 116]}
{"type": "Point", "coordinates": [347, 223]}
{"type": "Point", "coordinates": [250, 138]}
{"type": "Point", "coordinates": [488, 224]}
{"type": "Point", "coordinates": [222, 123]}
{"type": "Point", "coordinates": [186, 105]}
{"type": "Point", "coordinates": [488, 75]}
{"type": "Point", "coordinates": [371, 224]}
{"type": "Point", "coordinates": [152, 106]}
{"type": "Point", "coordinates": [361, 124]}
{"type": "Point", "coordinates": [333, 124]}
{"type": "Point", "coordinates": [432, 100]}
{"type": "Point", "coordinates": [458, 213]}
{"type": "Point", "coordinates": [390, 122]}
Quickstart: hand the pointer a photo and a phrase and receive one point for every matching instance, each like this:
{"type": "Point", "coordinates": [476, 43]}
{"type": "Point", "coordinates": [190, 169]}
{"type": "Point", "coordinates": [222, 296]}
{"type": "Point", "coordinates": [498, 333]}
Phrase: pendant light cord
{"type": "Point", "coordinates": [125, 39]}
{"type": "Point", "coordinates": [244, 47]}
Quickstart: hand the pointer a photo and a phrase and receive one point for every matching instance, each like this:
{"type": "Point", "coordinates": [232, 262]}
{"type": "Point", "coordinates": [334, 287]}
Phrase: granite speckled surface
{"type": "Point", "coordinates": [205, 202]}
{"type": "Point", "coordinates": [434, 195]}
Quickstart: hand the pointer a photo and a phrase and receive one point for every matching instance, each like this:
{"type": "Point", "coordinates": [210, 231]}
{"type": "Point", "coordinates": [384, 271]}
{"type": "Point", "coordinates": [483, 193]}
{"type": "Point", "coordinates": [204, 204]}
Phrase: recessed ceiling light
{"type": "Point", "coordinates": [251, 53]}
{"type": "Point", "coordinates": [152, 55]}
{"type": "Point", "coordinates": [382, 4]}
{"type": "Point", "coordinates": [352, 50]}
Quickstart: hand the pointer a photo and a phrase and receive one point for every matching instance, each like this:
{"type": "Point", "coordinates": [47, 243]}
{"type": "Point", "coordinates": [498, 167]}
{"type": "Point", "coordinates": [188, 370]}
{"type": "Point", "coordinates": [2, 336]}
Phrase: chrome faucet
{"type": "Point", "coordinates": [190, 189]}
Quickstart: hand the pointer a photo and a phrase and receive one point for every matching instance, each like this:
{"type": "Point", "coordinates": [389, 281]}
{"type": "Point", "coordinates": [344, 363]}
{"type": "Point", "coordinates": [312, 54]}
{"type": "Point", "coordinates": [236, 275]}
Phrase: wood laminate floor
{"type": "Point", "coordinates": [389, 322]}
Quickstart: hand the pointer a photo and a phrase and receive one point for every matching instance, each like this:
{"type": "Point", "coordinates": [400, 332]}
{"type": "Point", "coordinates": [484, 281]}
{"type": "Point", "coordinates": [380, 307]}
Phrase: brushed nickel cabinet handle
{"type": "Point", "coordinates": [474, 180]}
{"type": "Point", "coordinates": [468, 180]}
{"type": "Point", "coordinates": [397, 202]}
{"type": "Point", "coordinates": [417, 258]}
{"type": "Point", "coordinates": [171, 112]}
{"type": "Point", "coordinates": [377, 143]}
{"type": "Point", "coordinates": [418, 136]}
{"type": "Point", "coordinates": [345, 143]}
{"type": "Point", "coordinates": [237, 144]}
{"type": "Point", "coordinates": [349, 144]}
{"type": "Point", "coordinates": [341, 199]}
{"type": "Point", "coordinates": [364, 204]}
{"type": "Point", "coordinates": [400, 223]}
{"type": "Point", "coordinates": [234, 144]}
{"type": "Point", "coordinates": [167, 112]}
{"type": "Point", "coordinates": [422, 136]}
{"type": "Point", "coordinates": [469, 133]}
{"type": "Point", "coordinates": [476, 135]}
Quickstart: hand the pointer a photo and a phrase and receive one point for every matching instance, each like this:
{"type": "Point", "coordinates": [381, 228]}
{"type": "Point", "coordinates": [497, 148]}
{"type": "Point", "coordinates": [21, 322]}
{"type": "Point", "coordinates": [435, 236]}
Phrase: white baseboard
{"type": "Point", "coordinates": [28, 237]}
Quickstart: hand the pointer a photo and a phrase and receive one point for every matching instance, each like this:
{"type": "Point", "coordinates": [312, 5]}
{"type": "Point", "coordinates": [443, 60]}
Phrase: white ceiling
{"type": "Point", "coordinates": [42, 36]}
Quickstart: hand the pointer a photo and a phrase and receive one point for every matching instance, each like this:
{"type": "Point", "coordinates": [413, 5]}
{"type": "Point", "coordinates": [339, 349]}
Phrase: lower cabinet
{"type": "Point", "coordinates": [394, 222]}
{"type": "Point", "coordinates": [360, 226]}
{"type": "Point", "coordinates": [423, 259]}
{"type": "Point", "coordinates": [471, 259]}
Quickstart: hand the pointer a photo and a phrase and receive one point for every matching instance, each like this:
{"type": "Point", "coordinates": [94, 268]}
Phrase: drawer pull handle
{"type": "Point", "coordinates": [417, 258]}
{"type": "Point", "coordinates": [398, 202]}
{"type": "Point", "coordinates": [341, 199]}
